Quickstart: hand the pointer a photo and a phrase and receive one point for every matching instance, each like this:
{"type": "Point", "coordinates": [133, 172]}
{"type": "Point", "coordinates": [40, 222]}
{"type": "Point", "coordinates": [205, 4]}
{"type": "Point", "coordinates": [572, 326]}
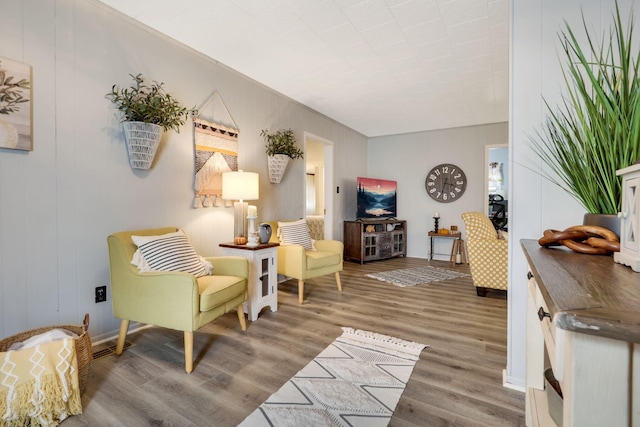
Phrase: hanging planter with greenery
{"type": "Point", "coordinates": [147, 110]}
{"type": "Point", "coordinates": [596, 129]}
{"type": "Point", "coordinates": [281, 147]}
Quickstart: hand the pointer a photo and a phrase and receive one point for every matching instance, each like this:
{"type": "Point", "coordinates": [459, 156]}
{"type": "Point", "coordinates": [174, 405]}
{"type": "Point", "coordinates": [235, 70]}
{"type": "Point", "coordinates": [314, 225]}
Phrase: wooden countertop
{"type": "Point", "coordinates": [590, 294]}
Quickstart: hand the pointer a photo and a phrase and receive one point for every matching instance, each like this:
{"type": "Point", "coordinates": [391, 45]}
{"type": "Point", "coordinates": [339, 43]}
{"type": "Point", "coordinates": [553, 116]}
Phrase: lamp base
{"type": "Point", "coordinates": [239, 218]}
{"type": "Point", "coordinates": [253, 234]}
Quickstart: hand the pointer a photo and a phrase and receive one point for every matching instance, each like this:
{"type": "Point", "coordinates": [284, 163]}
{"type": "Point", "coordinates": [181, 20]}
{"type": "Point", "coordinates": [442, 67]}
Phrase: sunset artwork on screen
{"type": "Point", "coordinates": [376, 198]}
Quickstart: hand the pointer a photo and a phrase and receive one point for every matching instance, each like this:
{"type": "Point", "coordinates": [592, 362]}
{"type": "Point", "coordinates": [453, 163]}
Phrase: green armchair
{"type": "Point", "coordinates": [297, 262]}
{"type": "Point", "coordinates": [173, 300]}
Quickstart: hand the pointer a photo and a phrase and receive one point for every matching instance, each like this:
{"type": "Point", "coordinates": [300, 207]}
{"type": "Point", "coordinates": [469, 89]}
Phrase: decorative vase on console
{"type": "Point", "coordinates": [264, 232]}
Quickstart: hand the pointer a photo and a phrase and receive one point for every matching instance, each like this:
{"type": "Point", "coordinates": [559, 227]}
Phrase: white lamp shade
{"type": "Point", "coordinates": [240, 186]}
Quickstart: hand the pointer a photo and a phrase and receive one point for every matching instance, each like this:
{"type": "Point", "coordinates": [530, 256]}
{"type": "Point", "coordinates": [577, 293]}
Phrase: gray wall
{"type": "Point", "coordinates": [59, 202]}
{"type": "Point", "coordinates": [408, 158]}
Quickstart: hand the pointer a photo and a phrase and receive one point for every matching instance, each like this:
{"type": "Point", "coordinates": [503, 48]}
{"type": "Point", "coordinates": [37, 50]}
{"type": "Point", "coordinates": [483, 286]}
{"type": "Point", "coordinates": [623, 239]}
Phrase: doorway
{"type": "Point", "coordinates": [497, 185]}
{"type": "Point", "coordinates": [319, 177]}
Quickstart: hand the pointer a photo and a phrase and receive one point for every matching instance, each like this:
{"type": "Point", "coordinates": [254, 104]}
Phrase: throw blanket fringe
{"type": "Point", "coordinates": [39, 386]}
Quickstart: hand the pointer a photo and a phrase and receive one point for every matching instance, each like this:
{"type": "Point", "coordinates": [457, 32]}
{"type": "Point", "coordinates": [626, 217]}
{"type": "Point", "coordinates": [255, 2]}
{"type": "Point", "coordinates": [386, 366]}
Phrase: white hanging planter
{"type": "Point", "coordinates": [142, 143]}
{"type": "Point", "coordinates": [277, 165]}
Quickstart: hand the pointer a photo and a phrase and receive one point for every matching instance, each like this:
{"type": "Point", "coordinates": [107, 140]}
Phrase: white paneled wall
{"type": "Point", "coordinates": [535, 203]}
{"type": "Point", "coordinates": [59, 202]}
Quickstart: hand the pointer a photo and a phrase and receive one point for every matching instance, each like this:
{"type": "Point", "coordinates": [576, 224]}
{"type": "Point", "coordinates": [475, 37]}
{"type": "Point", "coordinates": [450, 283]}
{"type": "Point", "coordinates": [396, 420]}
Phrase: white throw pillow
{"type": "Point", "coordinates": [295, 233]}
{"type": "Point", "coordinates": [169, 252]}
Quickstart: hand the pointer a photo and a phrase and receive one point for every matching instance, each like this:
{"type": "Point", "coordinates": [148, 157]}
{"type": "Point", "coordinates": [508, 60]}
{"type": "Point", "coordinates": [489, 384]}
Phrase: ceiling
{"type": "Point", "coordinates": [380, 67]}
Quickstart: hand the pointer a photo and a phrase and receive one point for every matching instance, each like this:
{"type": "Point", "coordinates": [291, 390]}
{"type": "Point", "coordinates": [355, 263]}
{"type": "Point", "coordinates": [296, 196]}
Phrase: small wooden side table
{"type": "Point", "coordinates": [263, 275]}
{"type": "Point", "coordinates": [433, 235]}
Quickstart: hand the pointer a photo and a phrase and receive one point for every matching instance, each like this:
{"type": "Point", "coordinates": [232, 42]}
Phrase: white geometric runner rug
{"type": "Point", "coordinates": [416, 275]}
{"type": "Point", "coordinates": [356, 381]}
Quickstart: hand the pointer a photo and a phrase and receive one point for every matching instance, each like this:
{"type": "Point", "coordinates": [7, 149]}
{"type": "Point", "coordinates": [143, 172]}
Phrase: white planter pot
{"type": "Point", "coordinates": [142, 143]}
{"type": "Point", "coordinates": [277, 165]}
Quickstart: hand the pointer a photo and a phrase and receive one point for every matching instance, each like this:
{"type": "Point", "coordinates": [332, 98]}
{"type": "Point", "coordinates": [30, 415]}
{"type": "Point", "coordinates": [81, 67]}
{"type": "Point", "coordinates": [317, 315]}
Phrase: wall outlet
{"type": "Point", "coordinates": [101, 293]}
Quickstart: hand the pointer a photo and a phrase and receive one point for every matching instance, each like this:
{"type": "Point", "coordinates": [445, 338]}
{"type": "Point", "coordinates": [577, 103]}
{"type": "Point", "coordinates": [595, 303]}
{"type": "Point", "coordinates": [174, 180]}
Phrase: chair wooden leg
{"type": "Point", "coordinates": [243, 322]}
{"type": "Point", "coordinates": [124, 327]}
{"type": "Point", "coordinates": [300, 291]}
{"type": "Point", "coordinates": [338, 282]}
{"type": "Point", "coordinates": [482, 292]}
{"type": "Point", "coordinates": [188, 351]}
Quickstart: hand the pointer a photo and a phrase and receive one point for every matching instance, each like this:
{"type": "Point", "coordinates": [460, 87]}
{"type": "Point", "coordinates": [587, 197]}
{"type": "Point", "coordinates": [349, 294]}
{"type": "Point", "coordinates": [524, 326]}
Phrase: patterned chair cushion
{"type": "Point", "coordinates": [488, 255]}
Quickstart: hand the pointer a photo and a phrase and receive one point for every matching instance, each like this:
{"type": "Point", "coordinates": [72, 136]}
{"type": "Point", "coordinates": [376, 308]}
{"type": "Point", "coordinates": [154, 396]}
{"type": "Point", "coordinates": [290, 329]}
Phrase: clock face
{"type": "Point", "coordinates": [445, 183]}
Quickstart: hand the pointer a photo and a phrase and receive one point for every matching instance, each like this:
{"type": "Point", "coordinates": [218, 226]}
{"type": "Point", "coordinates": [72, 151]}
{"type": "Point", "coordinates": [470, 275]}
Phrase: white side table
{"type": "Point", "coordinates": [263, 275]}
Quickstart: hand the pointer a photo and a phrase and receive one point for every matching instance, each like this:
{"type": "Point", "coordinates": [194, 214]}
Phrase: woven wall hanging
{"type": "Point", "coordinates": [216, 151]}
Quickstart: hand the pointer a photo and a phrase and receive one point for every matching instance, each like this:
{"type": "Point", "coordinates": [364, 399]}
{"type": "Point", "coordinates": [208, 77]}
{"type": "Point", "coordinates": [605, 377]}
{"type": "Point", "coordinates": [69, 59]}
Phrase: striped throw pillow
{"type": "Point", "coordinates": [170, 252]}
{"type": "Point", "coordinates": [295, 233]}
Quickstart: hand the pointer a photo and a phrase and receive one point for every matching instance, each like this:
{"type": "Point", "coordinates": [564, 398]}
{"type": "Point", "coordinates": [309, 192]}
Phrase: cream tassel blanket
{"type": "Point", "coordinates": [39, 385]}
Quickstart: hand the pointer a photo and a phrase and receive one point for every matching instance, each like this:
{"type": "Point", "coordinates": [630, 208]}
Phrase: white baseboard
{"type": "Point", "coordinates": [110, 336]}
{"type": "Point", "coordinates": [508, 384]}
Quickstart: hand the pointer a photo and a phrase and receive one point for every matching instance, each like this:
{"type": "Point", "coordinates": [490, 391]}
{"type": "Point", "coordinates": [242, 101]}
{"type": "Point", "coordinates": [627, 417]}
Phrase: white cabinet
{"type": "Point", "coordinates": [583, 322]}
{"type": "Point", "coordinates": [263, 275]}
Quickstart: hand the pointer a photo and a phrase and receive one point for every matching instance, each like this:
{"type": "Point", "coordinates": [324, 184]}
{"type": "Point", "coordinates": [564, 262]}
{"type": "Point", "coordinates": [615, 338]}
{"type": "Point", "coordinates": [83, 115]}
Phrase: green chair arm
{"type": "Point", "coordinates": [229, 266]}
{"type": "Point", "coordinates": [335, 246]}
{"type": "Point", "coordinates": [292, 260]}
{"type": "Point", "coordinates": [152, 298]}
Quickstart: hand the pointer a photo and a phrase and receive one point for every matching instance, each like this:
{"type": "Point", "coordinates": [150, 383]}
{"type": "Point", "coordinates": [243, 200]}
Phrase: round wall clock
{"type": "Point", "coordinates": [445, 183]}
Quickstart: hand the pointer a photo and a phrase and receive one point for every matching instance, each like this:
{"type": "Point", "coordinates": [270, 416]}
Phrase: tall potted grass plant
{"type": "Point", "coordinates": [595, 130]}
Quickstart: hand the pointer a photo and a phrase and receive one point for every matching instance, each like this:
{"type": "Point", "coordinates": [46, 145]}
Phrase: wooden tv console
{"type": "Point", "coordinates": [370, 240]}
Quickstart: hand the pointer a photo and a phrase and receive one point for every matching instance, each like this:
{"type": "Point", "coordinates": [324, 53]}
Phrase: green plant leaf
{"type": "Point", "coordinates": [281, 142]}
{"type": "Point", "coordinates": [150, 104]}
{"type": "Point", "coordinates": [595, 129]}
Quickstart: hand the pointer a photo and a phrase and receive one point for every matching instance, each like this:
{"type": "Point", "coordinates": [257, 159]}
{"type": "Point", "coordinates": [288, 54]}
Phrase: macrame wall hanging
{"type": "Point", "coordinates": [216, 152]}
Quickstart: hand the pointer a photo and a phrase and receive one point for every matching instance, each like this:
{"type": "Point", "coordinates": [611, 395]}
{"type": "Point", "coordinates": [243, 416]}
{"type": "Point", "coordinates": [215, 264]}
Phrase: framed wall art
{"type": "Point", "coordinates": [16, 130]}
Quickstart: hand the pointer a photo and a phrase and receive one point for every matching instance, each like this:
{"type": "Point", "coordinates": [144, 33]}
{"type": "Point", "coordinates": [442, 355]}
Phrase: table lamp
{"type": "Point", "coordinates": [240, 186]}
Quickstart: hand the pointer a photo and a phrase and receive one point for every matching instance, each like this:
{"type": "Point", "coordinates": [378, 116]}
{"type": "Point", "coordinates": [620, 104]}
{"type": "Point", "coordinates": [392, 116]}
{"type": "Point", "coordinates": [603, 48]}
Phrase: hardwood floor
{"type": "Point", "coordinates": [457, 381]}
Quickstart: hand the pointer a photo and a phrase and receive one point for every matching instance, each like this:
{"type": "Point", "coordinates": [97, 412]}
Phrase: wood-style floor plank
{"type": "Point", "coordinates": [457, 381]}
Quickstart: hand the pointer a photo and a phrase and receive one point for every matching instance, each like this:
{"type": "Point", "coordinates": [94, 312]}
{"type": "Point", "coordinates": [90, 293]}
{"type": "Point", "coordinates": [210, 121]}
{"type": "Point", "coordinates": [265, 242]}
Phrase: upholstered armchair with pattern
{"type": "Point", "coordinates": [172, 299]}
{"type": "Point", "coordinates": [299, 259]}
{"type": "Point", "coordinates": [488, 255]}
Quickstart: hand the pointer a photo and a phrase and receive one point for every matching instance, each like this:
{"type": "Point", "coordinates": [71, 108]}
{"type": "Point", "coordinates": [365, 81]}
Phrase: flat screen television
{"type": "Point", "coordinates": [377, 198]}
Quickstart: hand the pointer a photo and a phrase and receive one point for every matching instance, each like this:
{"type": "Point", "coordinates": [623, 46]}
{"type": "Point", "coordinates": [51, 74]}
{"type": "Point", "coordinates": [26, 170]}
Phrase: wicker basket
{"type": "Point", "coordinates": [277, 165]}
{"type": "Point", "coordinates": [84, 353]}
{"type": "Point", "coordinates": [142, 143]}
